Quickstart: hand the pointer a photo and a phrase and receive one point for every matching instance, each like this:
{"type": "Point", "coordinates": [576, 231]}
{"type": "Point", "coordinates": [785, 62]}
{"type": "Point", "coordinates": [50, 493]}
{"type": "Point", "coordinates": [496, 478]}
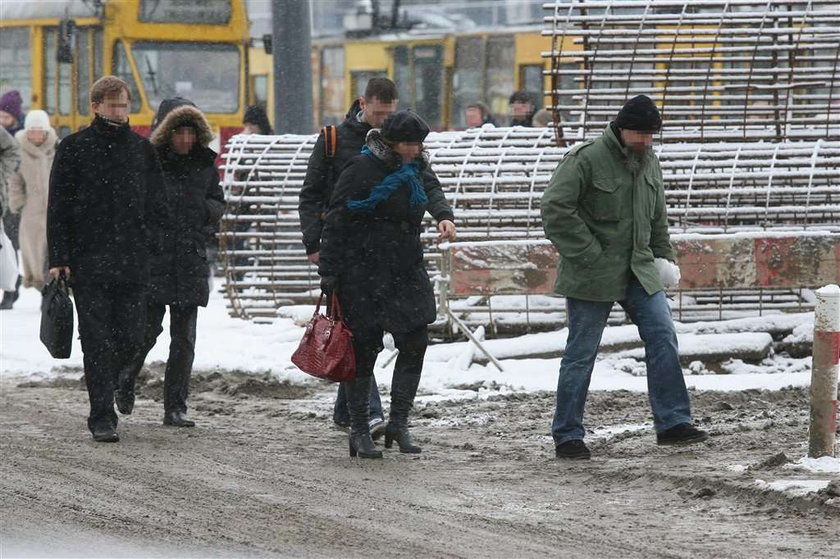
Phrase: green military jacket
{"type": "Point", "coordinates": [605, 221]}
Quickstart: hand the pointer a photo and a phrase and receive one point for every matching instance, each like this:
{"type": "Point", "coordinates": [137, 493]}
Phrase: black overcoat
{"type": "Point", "coordinates": [179, 272]}
{"type": "Point", "coordinates": [105, 195]}
{"type": "Point", "coordinates": [377, 255]}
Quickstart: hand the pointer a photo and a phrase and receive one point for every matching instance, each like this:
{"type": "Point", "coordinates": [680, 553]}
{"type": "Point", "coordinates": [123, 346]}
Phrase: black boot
{"type": "Point", "coordinates": [403, 389]}
{"type": "Point", "coordinates": [126, 378]}
{"type": "Point", "coordinates": [8, 300]}
{"type": "Point", "coordinates": [177, 419]}
{"type": "Point", "coordinates": [361, 443]}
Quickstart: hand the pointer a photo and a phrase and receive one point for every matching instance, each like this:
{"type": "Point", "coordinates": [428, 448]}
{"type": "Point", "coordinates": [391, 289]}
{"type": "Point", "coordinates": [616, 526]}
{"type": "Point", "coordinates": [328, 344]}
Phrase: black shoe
{"type": "Point", "coordinates": [572, 450]}
{"type": "Point", "coordinates": [177, 419]}
{"type": "Point", "coordinates": [125, 401]}
{"type": "Point", "coordinates": [105, 434]}
{"type": "Point", "coordinates": [8, 300]}
{"type": "Point", "coordinates": [684, 433]}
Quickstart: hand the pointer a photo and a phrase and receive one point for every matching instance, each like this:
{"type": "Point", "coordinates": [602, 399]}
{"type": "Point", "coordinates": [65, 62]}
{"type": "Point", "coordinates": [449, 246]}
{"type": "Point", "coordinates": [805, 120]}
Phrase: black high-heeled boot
{"type": "Point", "coordinates": [403, 389]}
{"type": "Point", "coordinates": [360, 441]}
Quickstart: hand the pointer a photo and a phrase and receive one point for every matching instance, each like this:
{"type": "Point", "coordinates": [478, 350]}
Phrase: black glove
{"type": "Point", "coordinates": [329, 284]}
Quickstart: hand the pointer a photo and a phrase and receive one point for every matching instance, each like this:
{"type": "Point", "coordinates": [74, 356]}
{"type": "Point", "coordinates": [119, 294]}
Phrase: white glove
{"type": "Point", "coordinates": [669, 272]}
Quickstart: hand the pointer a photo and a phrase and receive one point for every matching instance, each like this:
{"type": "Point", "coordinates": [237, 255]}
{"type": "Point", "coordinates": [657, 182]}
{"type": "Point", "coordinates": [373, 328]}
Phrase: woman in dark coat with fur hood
{"type": "Point", "coordinates": [372, 255]}
{"type": "Point", "coordinates": [179, 272]}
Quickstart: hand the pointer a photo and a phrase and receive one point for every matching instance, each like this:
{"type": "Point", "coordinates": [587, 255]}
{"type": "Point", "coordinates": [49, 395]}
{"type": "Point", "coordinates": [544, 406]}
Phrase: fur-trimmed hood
{"type": "Point", "coordinates": [180, 116]}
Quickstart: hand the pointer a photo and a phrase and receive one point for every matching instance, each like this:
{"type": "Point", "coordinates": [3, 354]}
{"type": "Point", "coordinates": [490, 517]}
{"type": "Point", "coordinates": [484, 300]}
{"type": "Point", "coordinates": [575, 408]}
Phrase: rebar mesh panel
{"type": "Point", "coordinates": [720, 70]}
{"type": "Point", "coordinates": [494, 178]}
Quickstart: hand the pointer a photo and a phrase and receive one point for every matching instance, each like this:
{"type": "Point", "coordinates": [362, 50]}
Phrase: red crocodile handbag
{"type": "Point", "coordinates": [326, 349]}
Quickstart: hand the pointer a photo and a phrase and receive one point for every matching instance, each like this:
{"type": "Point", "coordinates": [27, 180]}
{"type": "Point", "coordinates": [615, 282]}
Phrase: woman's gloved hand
{"type": "Point", "coordinates": [329, 284]}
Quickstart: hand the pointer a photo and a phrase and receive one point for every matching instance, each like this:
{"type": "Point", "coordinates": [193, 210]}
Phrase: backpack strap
{"type": "Point", "coordinates": [330, 140]}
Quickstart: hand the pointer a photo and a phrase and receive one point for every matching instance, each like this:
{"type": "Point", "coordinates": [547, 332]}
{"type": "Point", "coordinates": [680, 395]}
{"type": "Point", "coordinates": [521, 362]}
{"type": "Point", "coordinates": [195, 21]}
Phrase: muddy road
{"type": "Point", "coordinates": [265, 475]}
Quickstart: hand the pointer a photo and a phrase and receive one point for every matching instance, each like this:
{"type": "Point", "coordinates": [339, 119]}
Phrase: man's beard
{"type": "Point", "coordinates": [636, 160]}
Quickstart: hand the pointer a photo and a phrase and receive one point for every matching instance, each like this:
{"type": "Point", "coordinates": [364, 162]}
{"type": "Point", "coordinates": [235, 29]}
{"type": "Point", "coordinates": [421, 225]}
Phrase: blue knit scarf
{"type": "Point", "coordinates": [408, 173]}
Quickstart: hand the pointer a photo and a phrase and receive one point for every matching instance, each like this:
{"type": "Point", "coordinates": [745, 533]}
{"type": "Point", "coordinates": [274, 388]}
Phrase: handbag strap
{"type": "Point", "coordinates": [335, 307]}
{"type": "Point", "coordinates": [318, 306]}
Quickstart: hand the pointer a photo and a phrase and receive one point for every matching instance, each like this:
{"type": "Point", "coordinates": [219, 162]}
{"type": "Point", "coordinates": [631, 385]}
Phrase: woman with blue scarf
{"type": "Point", "coordinates": [371, 255]}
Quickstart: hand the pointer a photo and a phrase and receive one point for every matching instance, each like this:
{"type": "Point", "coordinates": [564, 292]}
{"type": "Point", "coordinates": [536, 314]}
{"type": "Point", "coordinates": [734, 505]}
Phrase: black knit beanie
{"type": "Point", "coordinates": [405, 126]}
{"type": "Point", "coordinates": [640, 114]}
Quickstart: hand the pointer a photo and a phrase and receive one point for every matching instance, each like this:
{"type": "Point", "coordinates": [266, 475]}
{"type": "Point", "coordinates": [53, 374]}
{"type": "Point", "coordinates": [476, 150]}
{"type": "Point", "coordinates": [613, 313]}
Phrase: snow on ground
{"type": "Point", "coordinates": [793, 486]}
{"type": "Point", "coordinates": [229, 343]}
{"type": "Point", "coordinates": [824, 465]}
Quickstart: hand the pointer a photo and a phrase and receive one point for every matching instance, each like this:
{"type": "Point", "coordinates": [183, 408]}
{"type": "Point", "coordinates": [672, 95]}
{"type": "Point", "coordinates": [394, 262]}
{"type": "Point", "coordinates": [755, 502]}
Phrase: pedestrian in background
{"type": "Point", "coordinates": [9, 162]}
{"type": "Point", "coordinates": [106, 192]}
{"type": "Point", "coordinates": [255, 121]}
{"type": "Point", "coordinates": [11, 119]}
{"type": "Point", "coordinates": [522, 109]}
{"type": "Point", "coordinates": [477, 115]}
{"type": "Point", "coordinates": [28, 194]}
{"type": "Point", "coordinates": [11, 111]}
{"type": "Point", "coordinates": [604, 211]}
{"type": "Point", "coordinates": [179, 271]}
{"type": "Point", "coordinates": [372, 256]}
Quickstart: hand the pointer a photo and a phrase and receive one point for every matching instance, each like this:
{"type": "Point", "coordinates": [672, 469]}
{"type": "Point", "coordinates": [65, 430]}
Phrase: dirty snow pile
{"type": "Point", "coordinates": [233, 344]}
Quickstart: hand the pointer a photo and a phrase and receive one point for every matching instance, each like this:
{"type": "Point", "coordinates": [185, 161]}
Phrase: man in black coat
{"type": "Point", "coordinates": [105, 192]}
{"type": "Point", "coordinates": [180, 271]}
{"type": "Point", "coordinates": [369, 111]}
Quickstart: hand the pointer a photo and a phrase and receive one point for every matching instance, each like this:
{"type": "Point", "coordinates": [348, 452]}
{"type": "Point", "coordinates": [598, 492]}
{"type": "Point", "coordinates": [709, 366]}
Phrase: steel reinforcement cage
{"type": "Point", "coordinates": [720, 70]}
{"type": "Point", "coordinates": [494, 179]}
{"type": "Point", "coordinates": [751, 142]}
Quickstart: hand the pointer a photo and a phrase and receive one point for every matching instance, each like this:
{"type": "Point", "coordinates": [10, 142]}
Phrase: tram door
{"type": "Point", "coordinates": [419, 73]}
{"type": "Point", "coordinates": [72, 62]}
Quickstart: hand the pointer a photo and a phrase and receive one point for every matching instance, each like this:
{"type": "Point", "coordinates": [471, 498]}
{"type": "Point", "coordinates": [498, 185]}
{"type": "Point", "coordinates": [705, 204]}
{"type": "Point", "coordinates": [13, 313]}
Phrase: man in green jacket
{"type": "Point", "coordinates": [604, 211]}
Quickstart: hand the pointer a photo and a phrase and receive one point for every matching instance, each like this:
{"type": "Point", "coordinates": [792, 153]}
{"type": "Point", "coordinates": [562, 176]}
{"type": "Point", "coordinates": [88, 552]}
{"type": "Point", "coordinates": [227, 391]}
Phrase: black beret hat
{"type": "Point", "coordinates": [640, 114]}
{"type": "Point", "coordinates": [405, 126]}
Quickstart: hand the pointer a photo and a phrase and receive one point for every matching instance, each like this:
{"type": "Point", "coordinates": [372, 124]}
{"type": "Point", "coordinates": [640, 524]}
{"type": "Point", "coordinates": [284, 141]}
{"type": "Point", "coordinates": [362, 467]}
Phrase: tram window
{"type": "Point", "coordinates": [122, 69]}
{"type": "Point", "coordinates": [170, 69]}
{"type": "Point", "coordinates": [259, 89]}
{"type": "Point", "coordinates": [50, 69]}
{"type": "Point", "coordinates": [569, 104]}
{"type": "Point", "coordinates": [16, 62]}
{"type": "Point", "coordinates": [402, 77]}
{"type": "Point", "coordinates": [65, 88]}
{"type": "Point", "coordinates": [466, 79]}
{"type": "Point", "coordinates": [185, 11]}
{"type": "Point", "coordinates": [97, 52]}
{"type": "Point", "coordinates": [531, 79]}
{"type": "Point", "coordinates": [499, 75]}
{"type": "Point", "coordinates": [358, 80]}
{"type": "Point", "coordinates": [428, 80]}
{"type": "Point", "coordinates": [332, 86]}
{"type": "Point", "coordinates": [83, 72]}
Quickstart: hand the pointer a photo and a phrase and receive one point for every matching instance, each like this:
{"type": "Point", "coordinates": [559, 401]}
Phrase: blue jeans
{"type": "Point", "coordinates": [666, 386]}
{"type": "Point", "coordinates": [341, 415]}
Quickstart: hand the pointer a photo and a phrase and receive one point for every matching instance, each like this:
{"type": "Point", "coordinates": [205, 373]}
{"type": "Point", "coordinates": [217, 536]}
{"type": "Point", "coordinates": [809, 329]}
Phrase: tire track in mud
{"type": "Point", "coordinates": [266, 478]}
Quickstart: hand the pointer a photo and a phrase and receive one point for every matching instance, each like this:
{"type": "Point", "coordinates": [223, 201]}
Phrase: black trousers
{"type": "Point", "coordinates": [182, 323]}
{"type": "Point", "coordinates": [111, 317]}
